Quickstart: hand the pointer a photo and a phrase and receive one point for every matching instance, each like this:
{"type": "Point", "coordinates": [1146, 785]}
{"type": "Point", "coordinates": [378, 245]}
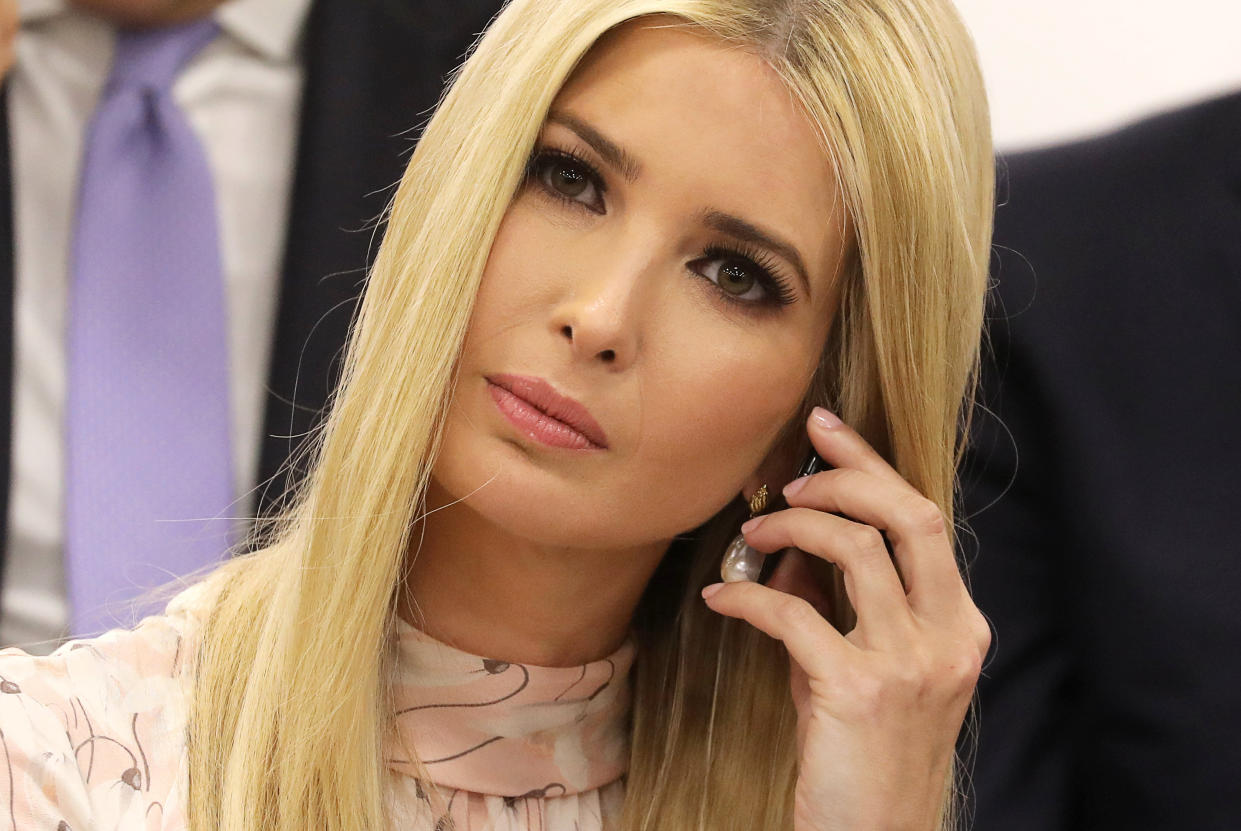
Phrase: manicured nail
{"type": "Point", "coordinates": [711, 589]}
{"type": "Point", "coordinates": [794, 487]}
{"type": "Point", "coordinates": [750, 524]}
{"type": "Point", "coordinates": [825, 419]}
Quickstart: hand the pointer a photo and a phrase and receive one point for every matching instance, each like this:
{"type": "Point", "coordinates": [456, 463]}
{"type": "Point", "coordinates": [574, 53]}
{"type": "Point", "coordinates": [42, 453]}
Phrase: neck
{"type": "Point", "coordinates": [472, 585]}
{"type": "Point", "coordinates": [141, 14]}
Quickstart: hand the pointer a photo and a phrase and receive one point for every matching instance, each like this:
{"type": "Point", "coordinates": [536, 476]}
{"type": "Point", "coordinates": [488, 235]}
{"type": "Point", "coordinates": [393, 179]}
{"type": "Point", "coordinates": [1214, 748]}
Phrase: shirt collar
{"type": "Point", "coordinates": [512, 730]}
{"type": "Point", "coordinates": [272, 28]}
{"type": "Point", "coordinates": [32, 11]}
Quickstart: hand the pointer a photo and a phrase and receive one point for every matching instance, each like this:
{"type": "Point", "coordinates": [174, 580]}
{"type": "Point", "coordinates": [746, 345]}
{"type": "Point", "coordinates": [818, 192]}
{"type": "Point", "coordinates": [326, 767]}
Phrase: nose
{"type": "Point", "coordinates": [600, 318]}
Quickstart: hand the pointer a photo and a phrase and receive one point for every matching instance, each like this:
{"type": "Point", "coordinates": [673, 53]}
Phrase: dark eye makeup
{"type": "Point", "coordinates": [568, 177]}
{"type": "Point", "coordinates": [742, 274]}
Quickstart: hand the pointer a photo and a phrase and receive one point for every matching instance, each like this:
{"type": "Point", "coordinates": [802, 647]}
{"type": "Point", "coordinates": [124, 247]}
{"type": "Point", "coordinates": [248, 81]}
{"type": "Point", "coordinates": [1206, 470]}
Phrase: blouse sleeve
{"type": "Point", "coordinates": [93, 735]}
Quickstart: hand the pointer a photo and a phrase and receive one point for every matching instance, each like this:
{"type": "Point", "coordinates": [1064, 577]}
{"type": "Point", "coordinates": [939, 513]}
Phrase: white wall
{"type": "Point", "coordinates": [1059, 69]}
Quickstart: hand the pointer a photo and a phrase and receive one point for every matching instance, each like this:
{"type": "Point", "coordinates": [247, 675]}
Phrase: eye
{"type": "Point", "coordinates": [734, 277]}
{"type": "Point", "coordinates": [740, 278]}
{"type": "Point", "coordinates": [565, 176]}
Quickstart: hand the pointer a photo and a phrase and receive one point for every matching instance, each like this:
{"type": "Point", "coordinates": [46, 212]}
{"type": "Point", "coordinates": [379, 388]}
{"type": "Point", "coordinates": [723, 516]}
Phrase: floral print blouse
{"type": "Point", "coordinates": [93, 735]}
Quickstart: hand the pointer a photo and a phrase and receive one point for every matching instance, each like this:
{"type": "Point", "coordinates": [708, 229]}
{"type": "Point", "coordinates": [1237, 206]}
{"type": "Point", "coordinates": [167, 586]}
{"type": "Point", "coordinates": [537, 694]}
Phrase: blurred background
{"type": "Point", "coordinates": [1061, 69]}
{"type": "Point", "coordinates": [1101, 489]}
{"type": "Point", "coordinates": [1101, 484]}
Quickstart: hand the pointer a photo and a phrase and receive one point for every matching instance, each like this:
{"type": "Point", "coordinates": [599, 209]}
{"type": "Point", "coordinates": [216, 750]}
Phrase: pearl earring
{"type": "Point", "coordinates": [741, 562]}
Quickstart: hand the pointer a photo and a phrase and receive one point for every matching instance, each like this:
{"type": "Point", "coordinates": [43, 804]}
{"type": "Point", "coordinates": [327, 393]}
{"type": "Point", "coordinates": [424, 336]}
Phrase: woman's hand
{"type": "Point", "coordinates": [879, 709]}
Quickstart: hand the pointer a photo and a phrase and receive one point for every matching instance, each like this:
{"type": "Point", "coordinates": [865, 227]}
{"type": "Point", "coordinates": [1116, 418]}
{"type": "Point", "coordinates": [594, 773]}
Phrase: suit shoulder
{"type": "Point", "coordinates": [439, 20]}
{"type": "Point", "coordinates": [1115, 204]}
{"type": "Point", "coordinates": [1174, 147]}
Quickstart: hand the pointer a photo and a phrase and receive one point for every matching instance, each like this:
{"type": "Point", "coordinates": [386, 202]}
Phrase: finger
{"type": "Point", "coordinates": [914, 525]}
{"type": "Point", "coordinates": [841, 446]}
{"type": "Point", "coordinates": [810, 639]}
{"type": "Point", "coordinates": [794, 575]}
{"type": "Point", "coordinates": [870, 578]}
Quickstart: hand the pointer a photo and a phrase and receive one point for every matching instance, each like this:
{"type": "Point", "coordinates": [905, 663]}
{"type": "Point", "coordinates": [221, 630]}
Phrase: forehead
{"type": "Point", "coordinates": [712, 125]}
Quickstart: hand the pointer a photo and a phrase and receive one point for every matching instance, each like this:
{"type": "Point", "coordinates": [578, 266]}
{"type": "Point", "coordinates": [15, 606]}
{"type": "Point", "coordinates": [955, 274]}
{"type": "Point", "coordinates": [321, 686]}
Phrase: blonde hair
{"type": "Point", "coordinates": [290, 703]}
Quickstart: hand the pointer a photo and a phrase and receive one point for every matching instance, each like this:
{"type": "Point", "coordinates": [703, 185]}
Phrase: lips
{"type": "Point", "coordinates": [558, 412]}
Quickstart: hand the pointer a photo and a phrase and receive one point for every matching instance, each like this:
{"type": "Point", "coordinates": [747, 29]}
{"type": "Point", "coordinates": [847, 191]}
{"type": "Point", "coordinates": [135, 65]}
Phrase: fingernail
{"type": "Point", "coordinates": [750, 524]}
{"type": "Point", "coordinates": [794, 487]}
{"type": "Point", "coordinates": [711, 590]}
{"type": "Point", "coordinates": [825, 419]}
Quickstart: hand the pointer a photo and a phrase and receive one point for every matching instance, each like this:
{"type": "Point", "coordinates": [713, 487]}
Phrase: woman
{"type": "Point", "coordinates": [639, 242]}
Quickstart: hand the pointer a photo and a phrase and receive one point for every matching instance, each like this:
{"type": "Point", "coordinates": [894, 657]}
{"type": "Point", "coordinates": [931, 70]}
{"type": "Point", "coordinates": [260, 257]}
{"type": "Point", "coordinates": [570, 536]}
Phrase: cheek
{"type": "Point", "coordinates": [517, 283]}
{"type": "Point", "coordinates": [712, 415]}
{"type": "Point", "coordinates": [509, 297]}
{"type": "Point", "coordinates": [508, 286]}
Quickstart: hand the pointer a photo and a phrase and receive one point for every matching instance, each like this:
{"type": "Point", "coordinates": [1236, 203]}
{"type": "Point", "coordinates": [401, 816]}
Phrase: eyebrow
{"type": "Point", "coordinates": [738, 228]}
{"type": "Point", "coordinates": [611, 152]}
{"type": "Point", "coordinates": [726, 223]}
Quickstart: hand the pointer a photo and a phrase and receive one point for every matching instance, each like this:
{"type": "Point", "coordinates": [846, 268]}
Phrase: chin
{"type": "Point", "coordinates": [527, 513]}
{"type": "Point", "coordinates": [504, 484]}
{"type": "Point", "coordinates": [546, 524]}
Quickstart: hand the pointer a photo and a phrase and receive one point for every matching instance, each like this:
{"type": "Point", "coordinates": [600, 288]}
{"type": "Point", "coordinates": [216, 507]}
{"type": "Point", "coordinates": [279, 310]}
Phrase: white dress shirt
{"type": "Point", "coordinates": [242, 95]}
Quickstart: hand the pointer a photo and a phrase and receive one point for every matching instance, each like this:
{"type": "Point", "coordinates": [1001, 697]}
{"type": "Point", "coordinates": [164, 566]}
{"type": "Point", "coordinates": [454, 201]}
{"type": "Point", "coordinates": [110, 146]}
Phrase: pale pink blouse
{"type": "Point", "coordinates": [93, 736]}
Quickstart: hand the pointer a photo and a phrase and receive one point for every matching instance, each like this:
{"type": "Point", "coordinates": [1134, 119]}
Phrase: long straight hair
{"type": "Point", "coordinates": [291, 701]}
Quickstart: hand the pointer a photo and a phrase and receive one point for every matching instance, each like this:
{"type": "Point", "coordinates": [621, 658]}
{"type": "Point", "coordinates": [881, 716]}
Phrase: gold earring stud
{"type": "Point", "coordinates": [741, 562]}
{"type": "Point", "coordinates": [758, 501]}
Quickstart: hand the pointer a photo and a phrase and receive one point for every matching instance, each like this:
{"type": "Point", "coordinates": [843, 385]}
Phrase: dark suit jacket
{"type": "Point", "coordinates": [1105, 491]}
{"type": "Point", "coordinates": [374, 70]}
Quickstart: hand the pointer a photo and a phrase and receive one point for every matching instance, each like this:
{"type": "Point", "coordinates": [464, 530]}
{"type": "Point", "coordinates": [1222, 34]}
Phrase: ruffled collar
{"type": "Point", "coordinates": [504, 729]}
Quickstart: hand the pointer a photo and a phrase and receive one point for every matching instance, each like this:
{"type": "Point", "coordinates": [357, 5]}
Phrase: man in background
{"type": "Point", "coordinates": [188, 191]}
{"type": "Point", "coordinates": [1104, 484]}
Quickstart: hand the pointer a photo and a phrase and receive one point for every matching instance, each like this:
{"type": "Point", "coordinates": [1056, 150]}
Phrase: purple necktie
{"type": "Point", "coordinates": [149, 466]}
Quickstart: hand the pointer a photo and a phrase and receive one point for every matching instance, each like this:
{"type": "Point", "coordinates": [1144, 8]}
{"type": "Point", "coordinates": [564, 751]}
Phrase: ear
{"type": "Point", "coordinates": [781, 463]}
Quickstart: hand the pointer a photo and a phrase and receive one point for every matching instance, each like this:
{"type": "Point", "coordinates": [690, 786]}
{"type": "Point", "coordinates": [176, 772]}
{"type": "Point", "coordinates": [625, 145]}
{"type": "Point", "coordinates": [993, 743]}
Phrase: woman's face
{"type": "Point", "coordinates": [671, 264]}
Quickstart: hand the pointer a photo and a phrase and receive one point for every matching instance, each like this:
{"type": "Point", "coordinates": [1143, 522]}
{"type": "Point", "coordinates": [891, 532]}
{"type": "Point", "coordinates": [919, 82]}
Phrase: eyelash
{"type": "Point", "coordinates": [778, 291]}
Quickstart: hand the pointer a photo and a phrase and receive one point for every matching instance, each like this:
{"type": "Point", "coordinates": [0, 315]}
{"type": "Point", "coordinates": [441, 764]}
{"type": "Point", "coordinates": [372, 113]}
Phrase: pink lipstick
{"type": "Point", "coordinates": [541, 413]}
